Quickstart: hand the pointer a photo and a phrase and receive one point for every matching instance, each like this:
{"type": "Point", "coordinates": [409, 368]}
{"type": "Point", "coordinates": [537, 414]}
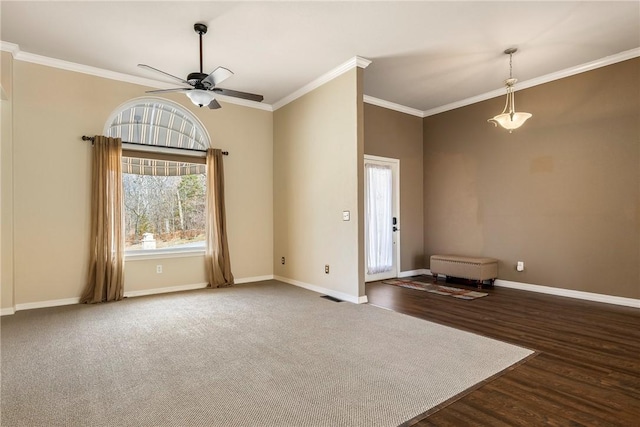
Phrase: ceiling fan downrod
{"type": "Point", "coordinates": [200, 29]}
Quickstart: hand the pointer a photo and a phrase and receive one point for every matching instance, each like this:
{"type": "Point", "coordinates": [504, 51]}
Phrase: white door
{"type": "Point", "coordinates": [382, 221]}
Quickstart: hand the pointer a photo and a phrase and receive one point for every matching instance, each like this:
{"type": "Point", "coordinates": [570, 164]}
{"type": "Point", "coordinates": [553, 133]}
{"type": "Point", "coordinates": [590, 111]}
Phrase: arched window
{"type": "Point", "coordinates": [157, 122]}
{"type": "Point", "coordinates": [164, 175]}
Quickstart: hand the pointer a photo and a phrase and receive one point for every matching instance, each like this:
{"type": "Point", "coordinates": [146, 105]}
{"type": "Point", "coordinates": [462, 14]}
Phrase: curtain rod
{"type": "Point", "coordinates": [91, 138]}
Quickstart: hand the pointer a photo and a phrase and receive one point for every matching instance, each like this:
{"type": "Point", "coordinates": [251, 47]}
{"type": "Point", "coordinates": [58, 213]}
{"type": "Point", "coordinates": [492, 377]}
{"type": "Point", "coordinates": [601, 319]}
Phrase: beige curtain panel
{"type": "Point", "coordinates": [217, 261]}
{"type": "Point", "coordinates": [106, 264]}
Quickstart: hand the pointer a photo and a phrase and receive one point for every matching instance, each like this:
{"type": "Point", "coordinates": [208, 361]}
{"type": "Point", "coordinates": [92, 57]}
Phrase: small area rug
{"type": "Point", "coordinates": [436, 289]}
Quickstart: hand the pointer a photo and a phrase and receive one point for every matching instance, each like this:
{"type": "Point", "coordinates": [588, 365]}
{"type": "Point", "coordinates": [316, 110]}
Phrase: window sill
{"type": "Point", "coordinates": [163, 253]}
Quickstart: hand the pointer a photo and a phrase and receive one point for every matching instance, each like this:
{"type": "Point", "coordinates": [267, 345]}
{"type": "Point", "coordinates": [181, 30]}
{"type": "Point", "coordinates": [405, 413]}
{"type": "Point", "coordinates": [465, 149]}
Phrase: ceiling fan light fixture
{"type": "Point", "coordinates": [509, 119]}
{"type": "Point", "coordinates": [200, 97]}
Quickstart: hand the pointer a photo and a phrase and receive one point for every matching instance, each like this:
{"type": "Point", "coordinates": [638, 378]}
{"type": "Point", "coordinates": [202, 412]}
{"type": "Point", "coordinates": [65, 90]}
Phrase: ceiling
{"type": "Point", "coordinates": [425, 54]}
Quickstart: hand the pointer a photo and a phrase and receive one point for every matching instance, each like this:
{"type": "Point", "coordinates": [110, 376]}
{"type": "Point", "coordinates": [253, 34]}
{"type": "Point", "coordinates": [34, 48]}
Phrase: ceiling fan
{"type": "Point", "coordinates": [203, 87]}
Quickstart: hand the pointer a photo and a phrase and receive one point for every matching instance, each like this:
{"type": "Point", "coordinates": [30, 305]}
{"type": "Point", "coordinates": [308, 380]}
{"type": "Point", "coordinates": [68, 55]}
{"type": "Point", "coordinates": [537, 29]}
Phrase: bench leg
{"type": "Point", "coordinates": [435, 277]}
{"type": "Point", "coordinates": [479, 284]}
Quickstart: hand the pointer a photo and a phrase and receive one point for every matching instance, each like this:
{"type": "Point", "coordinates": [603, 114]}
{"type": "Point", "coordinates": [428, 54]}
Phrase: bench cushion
{"type": "Point", "coordinates": [467, 259]}
{"type": "Point", "coordinates": [475, 268]}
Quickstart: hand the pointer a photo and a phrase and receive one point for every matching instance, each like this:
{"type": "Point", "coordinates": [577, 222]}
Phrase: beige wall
{"type": "Point", "coordinates": [140, 274]}
{"type": "Point", "coordinates": [316, 166]}
{"type": "Point", "coordinates": [561, 194]}
{"type": "Point", "coordinates": [52, 109]}
{"type": "Point", "coordinates": [389, 133]}
{"type": "Point", "coordinates": [248, 135]}
{"type": "Point", "coordinates": [6, 184]}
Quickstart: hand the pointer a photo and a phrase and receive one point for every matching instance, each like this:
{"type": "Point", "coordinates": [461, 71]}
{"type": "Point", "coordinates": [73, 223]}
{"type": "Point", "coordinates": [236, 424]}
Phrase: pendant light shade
{"type": "Point", "coordinates": [509, 119]}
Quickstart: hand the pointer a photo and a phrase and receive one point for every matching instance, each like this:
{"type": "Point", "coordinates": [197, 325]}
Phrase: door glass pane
{"type": "Point", "coordinates": [379, 219]}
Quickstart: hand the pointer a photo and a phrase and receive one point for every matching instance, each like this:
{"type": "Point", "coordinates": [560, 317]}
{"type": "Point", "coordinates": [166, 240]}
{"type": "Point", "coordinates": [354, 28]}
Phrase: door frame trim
{"type": "Point", "coordinates": [396, 207]}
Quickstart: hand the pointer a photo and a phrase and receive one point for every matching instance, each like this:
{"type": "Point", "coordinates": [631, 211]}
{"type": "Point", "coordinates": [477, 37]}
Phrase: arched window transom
{"type": "Point", "coordinates": [158, 122]}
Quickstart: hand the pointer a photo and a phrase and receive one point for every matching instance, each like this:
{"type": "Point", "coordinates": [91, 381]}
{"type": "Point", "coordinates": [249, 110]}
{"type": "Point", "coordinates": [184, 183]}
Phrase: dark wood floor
{"type": "Point", "coordinates": [587, 372]}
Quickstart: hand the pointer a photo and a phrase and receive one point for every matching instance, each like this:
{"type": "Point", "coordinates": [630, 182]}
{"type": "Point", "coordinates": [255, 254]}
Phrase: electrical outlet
{"type": "Point", "coordinates": [326, 269]}
{"type": "Point", "coordinates": [282, 260]}
{"type": "Point", "coordinates": [158, 268]}
{"type": "Point", "coordinates": [520, 266]}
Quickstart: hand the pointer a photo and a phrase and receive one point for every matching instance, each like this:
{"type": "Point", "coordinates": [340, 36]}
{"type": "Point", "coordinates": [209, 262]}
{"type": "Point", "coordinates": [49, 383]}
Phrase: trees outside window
{"type": "Point", "coordinates": [170, 208]}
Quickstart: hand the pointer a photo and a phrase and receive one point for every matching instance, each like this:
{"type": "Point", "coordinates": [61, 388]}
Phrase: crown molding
{"type": "Point", "coordinates": [567, 72]}
{"type": "Point", "coordinates": [12, 48]}
{"type": "Point", "coordinates": [86, 69]}
{"type": "Point", "coordinates": [464, 102]}
{"type": "Point", "coordinates": [20, 55]}
{"type": "Point", "coordinates": [392, 106]}
{"type": "Point", "coordinates": [354, 62]}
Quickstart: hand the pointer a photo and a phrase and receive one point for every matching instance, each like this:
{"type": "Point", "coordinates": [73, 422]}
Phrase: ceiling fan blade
{"type": "Point", "coordinates": [178, 89]}
{"type": "Point", "coordinates": [214, 105]}
{"type": "Point", "coordinates": [166, 74]}
{"type": "Point", "coordinates": [217, 76]}
{"type": "Point", "coordinates": [238, 94]}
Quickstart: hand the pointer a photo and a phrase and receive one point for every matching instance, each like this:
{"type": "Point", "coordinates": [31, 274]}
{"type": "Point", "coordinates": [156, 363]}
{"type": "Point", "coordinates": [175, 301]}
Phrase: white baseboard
{"type": "Point", "coordinates": [253, 279]}
{"type": "Point", "coordinates": [129, 294]}
{"type": "Point", "coordinates": [191, 287]}
{"type": "Point", "coordinates": [319, 289]}
{"type": "Point", "coordinates": [410, 273]}
{"type": "Point", "coordinates": [45, 304]}
{"type": "Point", "coordinates": [589, 296]}
{"type": "Point", "coordinates": [561, 292]}
{"type": "Point", "coordinates": [168, 289]}
{"type": "Point", "coordinates": [7, 311]}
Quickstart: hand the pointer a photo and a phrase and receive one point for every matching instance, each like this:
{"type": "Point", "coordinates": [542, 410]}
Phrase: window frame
{"type": "Point", "coordinates": [158, 152]}
{"type": "Point", "coordinates": [162, 252]}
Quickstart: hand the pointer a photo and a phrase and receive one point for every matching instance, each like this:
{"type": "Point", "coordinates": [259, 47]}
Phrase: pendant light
{"type": "Point", "coordinates": [509, 119]}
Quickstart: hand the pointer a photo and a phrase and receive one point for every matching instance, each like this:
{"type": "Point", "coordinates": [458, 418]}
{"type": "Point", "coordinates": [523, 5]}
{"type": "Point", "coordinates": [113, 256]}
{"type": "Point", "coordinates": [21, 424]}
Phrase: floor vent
{"type": "Point", "coordinates": [331, 298]}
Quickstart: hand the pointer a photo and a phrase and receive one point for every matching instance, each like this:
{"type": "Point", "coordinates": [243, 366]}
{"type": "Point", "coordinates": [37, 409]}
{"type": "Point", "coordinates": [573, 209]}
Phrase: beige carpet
{"type": "Point", "coordinates": [266, 354]}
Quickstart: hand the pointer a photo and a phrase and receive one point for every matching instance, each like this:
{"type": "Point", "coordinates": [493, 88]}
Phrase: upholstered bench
{"type": "Point", "coordinates": [473, 268]}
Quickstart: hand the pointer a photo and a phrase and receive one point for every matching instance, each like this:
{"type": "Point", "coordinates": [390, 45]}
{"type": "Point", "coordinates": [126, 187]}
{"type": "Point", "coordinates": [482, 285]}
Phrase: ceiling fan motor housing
{"type": "Point", "coordinates": [196, 77]}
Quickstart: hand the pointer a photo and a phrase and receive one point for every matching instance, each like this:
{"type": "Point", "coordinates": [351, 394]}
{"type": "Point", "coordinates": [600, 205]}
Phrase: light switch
{"type": "Point", "coordinates": [346, 215]}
